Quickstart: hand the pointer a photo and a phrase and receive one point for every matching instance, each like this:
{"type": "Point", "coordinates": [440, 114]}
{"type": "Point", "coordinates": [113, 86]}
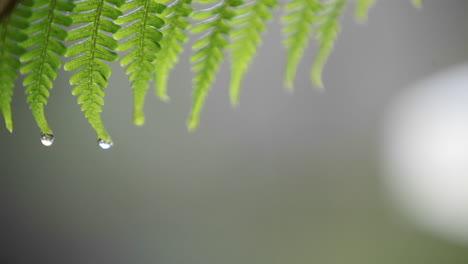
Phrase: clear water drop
{"type": "Point", "coordinates": [47, 139]}
{"type": "Point", "coordinates": [104, 144]}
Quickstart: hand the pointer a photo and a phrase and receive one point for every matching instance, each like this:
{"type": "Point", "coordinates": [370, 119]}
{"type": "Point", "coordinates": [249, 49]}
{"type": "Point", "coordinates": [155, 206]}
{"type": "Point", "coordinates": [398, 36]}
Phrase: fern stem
{"type": "Point", "coordinates": [174, 36]}
{"type": "Point", "coordinates": [35, 102]}
{"type": "Point", "coordinates": [139, 91]}
{"type": "Point", "coordinates": [41, 60]}
{"type": "Point", "coordinates": [299, 19]}
{"type": "Point", "coordinates": [143, 42]}
{"type": "Point", "coordinates": [209, 53]}
{"type": "Point", "coordinates": [96, 123]}
{"type": "Point", "coordinates": [90, 79]}
{"type": "Point", "coordinates": [327, 30]}
{"type": "Point", "coordinates": [250, 20]}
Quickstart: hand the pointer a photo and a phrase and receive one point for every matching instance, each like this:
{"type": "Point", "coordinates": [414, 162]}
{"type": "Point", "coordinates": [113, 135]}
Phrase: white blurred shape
{"type": "Point", "coordinates": [425, 147]}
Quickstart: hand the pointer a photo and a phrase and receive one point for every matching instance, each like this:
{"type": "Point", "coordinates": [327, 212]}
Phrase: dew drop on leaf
{"type": "Point", "coordinates": [47, 139]}
{"type": "Point", "coordinates": [104, 144]}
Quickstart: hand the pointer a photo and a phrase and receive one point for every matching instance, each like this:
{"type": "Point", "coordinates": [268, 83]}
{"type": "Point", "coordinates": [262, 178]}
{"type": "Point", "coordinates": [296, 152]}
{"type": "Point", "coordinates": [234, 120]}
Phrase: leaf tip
{"type": "Point", "coordinates": [316, 74]}
{"type": "Point", "coordinates": [8, 120]}
{"type": "Point", "coordinates": [138, 120]}
{"type": "Point", "coordinates": [163, 97]}
{"type": "Point", "coordinates": [288, 85]}
{"type": "Point", "coordinates": [192, 124]}
{"type": "Point", "coordinates": [317, 82]}
{"type": "Point", "coordinates": [234, 102]}
{"type": "Point", "coordinates": [234, 97]}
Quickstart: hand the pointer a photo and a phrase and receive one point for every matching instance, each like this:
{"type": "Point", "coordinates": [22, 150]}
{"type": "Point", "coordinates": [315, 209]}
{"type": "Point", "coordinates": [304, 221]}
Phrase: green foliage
{"type": "Point", "coordinates": [310, 17]}
{"type": "Point", "coordinates": [92, 72]}
{"type": "Point", "coordinates": [362, 9]}
{"type": "Point", "coordinates": [11, 26]}
{"type": "Point", "coordinates": [327, 28]}
{"type": "Point", "coordinates": [174, 37]}
{"type": "Point", "coordinates": [248, 23]}
{"type": "Point", "coordinates": [142, 39]}
{"type": "Point", "coordinates": [299, 19]}
{"type": "Point", "coordinates": [209, 51]}
{"type": "Point", "coordinates": [152, 37]}
{"type": "Point", "coordinates": [41, 61]}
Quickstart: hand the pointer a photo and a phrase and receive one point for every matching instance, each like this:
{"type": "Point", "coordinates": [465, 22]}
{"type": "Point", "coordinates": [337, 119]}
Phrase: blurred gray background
{"type": "Point", "coordinates": [284, 178]}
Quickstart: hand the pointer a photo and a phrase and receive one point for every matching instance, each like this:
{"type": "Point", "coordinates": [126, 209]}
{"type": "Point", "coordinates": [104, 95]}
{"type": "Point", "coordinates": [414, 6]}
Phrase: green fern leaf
{"type": "Point", "coordinates": [326, 32]}
{"type": "Point", "coordinates": [299, 19]}
{"type": "Point", "coordinates": [96, 46]}
{"type": "Point", "coordinates": [174, 37]}
{"type": "Point", "coordinates": [142, 35]}
{"type": "Point", "coordinates": [11, 34]}
{"type": "Point", "coordinates": [209, 51]}
{"type": "Point", "coordinates": [249, 23]}
{"type": "Point", "coordinates": [41, 61]}
{"type": "Point", "coordinates": [361, 10]}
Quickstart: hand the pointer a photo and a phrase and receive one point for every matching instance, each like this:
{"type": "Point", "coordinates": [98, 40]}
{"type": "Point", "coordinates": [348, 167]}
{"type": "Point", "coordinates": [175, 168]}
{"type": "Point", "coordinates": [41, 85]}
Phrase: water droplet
{"type": "Point", "coordinates": [47, 139]}
{"type": "Point", "coordinates": [104, 144]}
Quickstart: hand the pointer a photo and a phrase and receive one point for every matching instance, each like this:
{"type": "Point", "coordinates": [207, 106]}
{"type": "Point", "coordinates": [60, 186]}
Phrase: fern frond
{"type": "Point", "coordinates": [90, 55]}
{"type": "Point", "coordinates": [299, 19]}
{"type": "Point", "coordinates": [362, 8]}
{"type": "Point", "coordinates": [142, 35]}
{"type": "Point", "coordinates": [417, 3]}
{"type": "Point", "coordinates": [174, 36]}
{"type": "Point", "coordinates": [41, 61]}
{"type": "Point", "coordinates": [326, 32]}
{"type": "Point", "coordinates": [11, 34]}
{"type": "Point", "coordinates": [209, 51]}
{"type": "Point", "coordinates": [249, 23]}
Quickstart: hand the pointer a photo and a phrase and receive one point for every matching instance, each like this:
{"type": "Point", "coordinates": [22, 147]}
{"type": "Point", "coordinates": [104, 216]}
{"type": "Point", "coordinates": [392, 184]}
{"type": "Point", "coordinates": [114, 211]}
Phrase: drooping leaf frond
{"type": "Point", "coordinates": [327, 28]}
{"type": "Point", "coordinates": [209, 51]}
{"type": "Point", "coordinates": [142, 35]}
{"type": "Point", "coordinates": [299, 19]}
{"type": "Point", "coordinates": [90, 55]}
{"type": "Point", "coordinates": [42, 60]}
{"type": "Point", "coordinates": [11, 26]}
{"type": "Point", "coordinates": [174, 36]}
{"type": "Point", "coordinates": [249, 23]}
{"type": "Point", "coordinates": [362, 8]}
{"type": "Point", "coordinates": [152, 37]}
{"type": "Point", "coordinates": [310, 17]}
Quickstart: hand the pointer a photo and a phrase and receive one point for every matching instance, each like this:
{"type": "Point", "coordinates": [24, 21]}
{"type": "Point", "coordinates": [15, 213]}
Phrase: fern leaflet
{"type": "Point", "coordinates": [174, 37]}
{"type": "Point", "coordinates": [92, 72]}
{"type": "Point", "coordinates": [361, 10]}
{"type": "Point", "coordinates": [209, 51]}
{"type": "Point", "coordinates": [326, 32]}
{"type": "Point", "coordinates": [42, 60]}
{"type": "Point", "coordinates": [142, 39]}
{"type": "Point", "coordinates": [299, 18]}
{"type": "Point", "coordinates": [248, 25]}
{"type": "Point", "coordinates": [11, 34]}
